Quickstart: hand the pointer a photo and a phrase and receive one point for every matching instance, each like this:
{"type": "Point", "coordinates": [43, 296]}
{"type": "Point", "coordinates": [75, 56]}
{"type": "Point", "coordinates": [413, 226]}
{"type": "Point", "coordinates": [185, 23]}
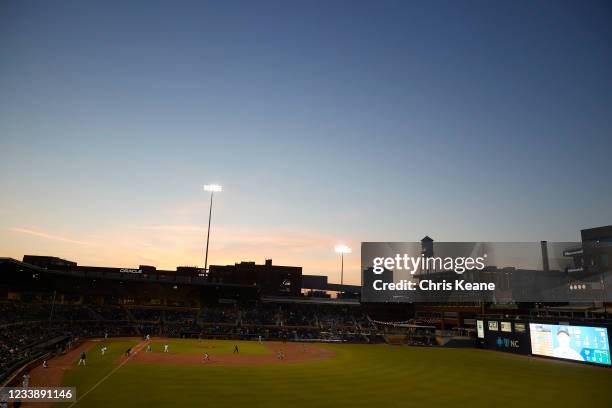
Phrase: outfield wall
{"type": "Point", "coordinates": [511, 337]}
{"type": "Point", "coordinates": [568, 341]}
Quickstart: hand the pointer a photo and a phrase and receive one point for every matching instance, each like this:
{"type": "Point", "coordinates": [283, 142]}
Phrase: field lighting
{"type": "Point", "coordinates": [213, 188]}
{"type": "Point", "coordinates": [342, 249]}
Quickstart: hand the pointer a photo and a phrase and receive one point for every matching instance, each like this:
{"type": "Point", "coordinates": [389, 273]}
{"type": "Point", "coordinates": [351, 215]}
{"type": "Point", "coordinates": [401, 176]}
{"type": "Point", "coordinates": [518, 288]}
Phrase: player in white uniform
{"type": "Point", "coordinates": [165, 348]}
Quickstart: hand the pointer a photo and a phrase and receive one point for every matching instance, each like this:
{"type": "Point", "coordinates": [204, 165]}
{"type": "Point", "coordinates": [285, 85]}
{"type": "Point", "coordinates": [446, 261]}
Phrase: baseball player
{"type": "Point", "coordinates": [26, 380]}
{"type": "Point", "coordinates": [82, 359]}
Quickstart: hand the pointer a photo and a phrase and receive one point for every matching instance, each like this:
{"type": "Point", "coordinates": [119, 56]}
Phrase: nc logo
{"type": "Point", "coordinates": [501, 342]}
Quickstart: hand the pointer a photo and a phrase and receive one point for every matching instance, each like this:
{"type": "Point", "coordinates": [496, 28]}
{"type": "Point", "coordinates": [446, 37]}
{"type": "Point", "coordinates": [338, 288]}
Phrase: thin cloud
{"type": "Point", "coordinates": [174, 228]}
{"type": "Point", "coordinates": [230, 236]}
{"type": "Point", "coordinates": [51, 237]}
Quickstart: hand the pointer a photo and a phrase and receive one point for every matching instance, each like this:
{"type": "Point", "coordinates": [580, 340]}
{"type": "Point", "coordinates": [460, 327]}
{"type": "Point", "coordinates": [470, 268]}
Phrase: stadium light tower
{"type": "Point", "coordinates": [342, 249]}
{"type": "Point", "coordinates": [213, 188]}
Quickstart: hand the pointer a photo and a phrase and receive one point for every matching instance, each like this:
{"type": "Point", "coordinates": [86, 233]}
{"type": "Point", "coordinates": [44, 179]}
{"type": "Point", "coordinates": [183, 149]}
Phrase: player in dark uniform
{"type": "Point", "coordinates": [236, 351]}
{"type": "Point", "coordinates": [82, 359]}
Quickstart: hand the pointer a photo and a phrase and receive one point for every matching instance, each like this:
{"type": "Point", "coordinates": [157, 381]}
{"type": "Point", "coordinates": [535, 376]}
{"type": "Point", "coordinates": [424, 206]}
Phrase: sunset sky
{"type": "Point", "coordinates": [325, 122]}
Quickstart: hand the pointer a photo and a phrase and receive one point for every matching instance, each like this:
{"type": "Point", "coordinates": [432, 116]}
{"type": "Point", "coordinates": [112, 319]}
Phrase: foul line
{"type": "Point", "coordinates": [140, 346]}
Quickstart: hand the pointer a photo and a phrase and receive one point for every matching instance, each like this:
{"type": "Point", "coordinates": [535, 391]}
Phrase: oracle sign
{"type": "Point", "coordinates": [128, 270]}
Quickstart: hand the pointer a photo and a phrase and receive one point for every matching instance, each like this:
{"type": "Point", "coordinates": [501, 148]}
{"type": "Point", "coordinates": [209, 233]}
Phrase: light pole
{"type": "Point", "coordinates": [342, 249]}
{"type": "Point", "coordinates": [212, 188]}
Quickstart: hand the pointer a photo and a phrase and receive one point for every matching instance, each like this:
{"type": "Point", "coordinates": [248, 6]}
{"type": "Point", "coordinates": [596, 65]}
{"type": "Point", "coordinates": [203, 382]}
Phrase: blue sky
{"type": "Point", "coordinates": [325, 122]}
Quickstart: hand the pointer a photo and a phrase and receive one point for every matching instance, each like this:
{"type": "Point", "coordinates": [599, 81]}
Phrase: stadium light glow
{"type": "Point", "coordinates": [342, 249]}
{"type": "Point", "coordinates": [213, 188]}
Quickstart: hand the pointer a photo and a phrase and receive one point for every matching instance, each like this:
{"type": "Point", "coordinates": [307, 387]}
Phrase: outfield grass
{"type": "Point", "coordinates": [84, 377]}
{"type": "Point", "coordinates": [359, 376]}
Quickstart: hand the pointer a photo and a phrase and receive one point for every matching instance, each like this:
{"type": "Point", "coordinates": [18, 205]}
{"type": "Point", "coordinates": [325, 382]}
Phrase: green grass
{"type": "Point", "coordinates": [210, 346]}
{"type": "Point", "coordinates": [359, 376]}
{"type": "Point", "coordinates": [97, 364]}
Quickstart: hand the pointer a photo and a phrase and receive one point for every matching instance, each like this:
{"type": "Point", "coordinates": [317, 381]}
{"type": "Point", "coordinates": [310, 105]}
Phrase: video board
{"type": "Point", "coordinates": [576, 343]}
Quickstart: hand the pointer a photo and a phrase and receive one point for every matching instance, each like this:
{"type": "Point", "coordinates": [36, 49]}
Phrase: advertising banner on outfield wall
{"type": "Point", "coordinates": [505, 335]}
{"type": "Point", "coordinates": [501, 272]}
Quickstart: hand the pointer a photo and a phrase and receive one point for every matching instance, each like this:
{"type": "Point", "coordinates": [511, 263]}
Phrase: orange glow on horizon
{"type": "Point", "coordinates": [169, 246]}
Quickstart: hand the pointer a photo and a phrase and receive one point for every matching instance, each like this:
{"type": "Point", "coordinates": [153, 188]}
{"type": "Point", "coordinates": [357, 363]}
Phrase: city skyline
{"type": "Point", "coordinates": [328, 123]}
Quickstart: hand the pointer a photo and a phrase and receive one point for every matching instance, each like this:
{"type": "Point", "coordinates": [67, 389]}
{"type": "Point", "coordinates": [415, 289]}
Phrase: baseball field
{"type": "Point", "coordinates": [273, 374]}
